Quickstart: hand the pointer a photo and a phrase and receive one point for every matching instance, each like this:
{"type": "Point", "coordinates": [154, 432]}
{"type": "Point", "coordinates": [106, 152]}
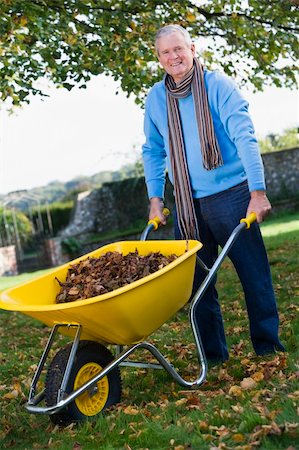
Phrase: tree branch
{"type": "Point", "coordinates": [209, 15]}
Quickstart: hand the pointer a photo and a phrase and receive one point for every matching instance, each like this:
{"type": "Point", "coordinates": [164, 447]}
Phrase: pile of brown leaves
{"type": "Point", "coordinates": [97, 276]}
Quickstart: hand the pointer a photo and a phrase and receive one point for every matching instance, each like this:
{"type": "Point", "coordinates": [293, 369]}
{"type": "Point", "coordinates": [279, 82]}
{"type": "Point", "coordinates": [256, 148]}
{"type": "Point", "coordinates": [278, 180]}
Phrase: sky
{"type": "Point", "coordinates": [83, 132]}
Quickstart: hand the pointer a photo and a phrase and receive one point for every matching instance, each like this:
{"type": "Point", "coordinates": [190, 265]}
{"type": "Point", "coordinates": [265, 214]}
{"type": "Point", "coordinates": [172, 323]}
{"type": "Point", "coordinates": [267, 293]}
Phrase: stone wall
{"type": "Point", "coordinates": [282, 174]}
{"type": "Point", "coordinates": [53, 253]}
{"type": "Point", "coordinates": [8, 261]}
{"type": "Point", "coordinates": [82, 217]}
{"type": "Point", "coordinates": [119, 205]}
{"type": "Point", "coordinates": [115, 206]}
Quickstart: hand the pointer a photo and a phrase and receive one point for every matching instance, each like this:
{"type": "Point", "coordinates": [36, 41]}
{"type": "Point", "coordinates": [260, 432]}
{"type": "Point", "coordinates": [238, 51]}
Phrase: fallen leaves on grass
{"type": "Point", "coordinates": [235, 391]}
{"type": "Point", "coordinates": [131, 410]}
{"type": "Point", "coordinates": [12, 394]}
{"type": "Point", "coordinates": [247, 383]}
{"type": "Point", "coordinates": [244, 403]}
{"type": "Point", "coordinates": [15, 390]}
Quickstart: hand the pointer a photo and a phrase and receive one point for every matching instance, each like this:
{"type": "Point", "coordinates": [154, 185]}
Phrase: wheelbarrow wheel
{"type": "Point", "coordinates": [90, 359]}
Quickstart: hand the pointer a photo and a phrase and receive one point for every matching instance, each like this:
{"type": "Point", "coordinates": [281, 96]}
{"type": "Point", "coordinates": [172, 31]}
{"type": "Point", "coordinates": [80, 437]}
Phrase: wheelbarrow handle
{"type": "Point", "coordinates": [153, 224]}
{"type": "Point", "coordinates": [249, 219]}
{"type": "Point", "coordinates": [156, 220]}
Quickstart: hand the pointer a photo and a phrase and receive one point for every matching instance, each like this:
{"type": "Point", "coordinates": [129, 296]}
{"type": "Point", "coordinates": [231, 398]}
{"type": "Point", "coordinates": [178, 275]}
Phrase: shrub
{"type": "Point", "coordinates": [59, 214]}
{"type": "Point", "coordinates": [13, 225]}
{"type": "Point", "coordinates": [71, 246]}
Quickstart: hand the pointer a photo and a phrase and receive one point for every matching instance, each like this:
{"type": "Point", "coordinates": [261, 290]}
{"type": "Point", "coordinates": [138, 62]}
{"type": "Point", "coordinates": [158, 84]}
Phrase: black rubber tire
{"type": "Point", "coordinates": [88, 351]}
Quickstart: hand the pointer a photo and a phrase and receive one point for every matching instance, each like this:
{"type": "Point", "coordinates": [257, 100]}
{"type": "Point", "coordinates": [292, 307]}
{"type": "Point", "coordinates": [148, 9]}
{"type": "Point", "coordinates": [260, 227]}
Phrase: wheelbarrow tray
{"type": "Point", "coordinates": [124, 316]}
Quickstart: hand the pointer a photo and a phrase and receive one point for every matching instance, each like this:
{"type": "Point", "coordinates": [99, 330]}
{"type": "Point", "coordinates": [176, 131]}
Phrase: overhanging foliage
{"type": "Point", "coordinates": [68, 41]}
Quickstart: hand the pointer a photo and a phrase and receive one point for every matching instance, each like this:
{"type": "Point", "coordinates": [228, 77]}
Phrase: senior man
{"type": "Point", "coordinates": [197, 126]}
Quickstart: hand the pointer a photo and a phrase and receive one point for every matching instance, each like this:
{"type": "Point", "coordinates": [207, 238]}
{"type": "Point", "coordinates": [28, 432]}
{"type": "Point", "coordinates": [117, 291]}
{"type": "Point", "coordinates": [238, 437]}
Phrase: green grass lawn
{"type": "Point", "coordinates": [247, 403]}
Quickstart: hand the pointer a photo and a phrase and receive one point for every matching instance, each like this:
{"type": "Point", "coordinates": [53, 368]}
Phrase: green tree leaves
{"type": "Point", "coordinates": [275, 142]}
{"type": "Point", "coordinates": [67, 42]}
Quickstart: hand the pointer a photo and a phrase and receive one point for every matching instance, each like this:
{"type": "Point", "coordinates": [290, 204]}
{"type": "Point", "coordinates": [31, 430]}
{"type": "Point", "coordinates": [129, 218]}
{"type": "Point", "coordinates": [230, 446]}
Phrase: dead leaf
{"type": "Point", "coordinates": [181, 401]}
{"type": "Point", "coordinates": [193, 403]}
{"type": "Point", "coordinates": [265, 430]}
{"type": "Point", "coordinates": [73, 291]}
{"type": "Point", "coordinates": [245, 362]}
{"type": "Point", "coordinates": [10, 395]}
{"type": "Point", "coordinates": [77, 446]}
{"type": "Point", "coordinates": [130, 410]}
{"type": "Point", "coordinates": [235, 390]}
{"type": "Point", "coordinates": [203, 425]}
{"type": "Point", "coordinates": [257, 376]}
{"type": "Point", "coordinates": [224, 376]}
{"type": "Point", "coordinates": [291, 429]}
{"type": "Point", "coordinates": [33, 368]}
{"type": "Point", "coordinates": [221, 431]}
{"type": "Point", "coordinates": [238, 437]}
{"type": "Point", "coordinates": [237, 408]}
{"type": "Point", "coordinates": [247, 383]}
{"type": "Point", "coordinates": [112, 426]}
{"type": "Point", "coordinates": [294, 395]}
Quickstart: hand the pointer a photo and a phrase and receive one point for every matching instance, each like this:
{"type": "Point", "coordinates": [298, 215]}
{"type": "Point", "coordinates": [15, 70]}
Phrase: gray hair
{"type": "Point", "coordinates": [168, 29]}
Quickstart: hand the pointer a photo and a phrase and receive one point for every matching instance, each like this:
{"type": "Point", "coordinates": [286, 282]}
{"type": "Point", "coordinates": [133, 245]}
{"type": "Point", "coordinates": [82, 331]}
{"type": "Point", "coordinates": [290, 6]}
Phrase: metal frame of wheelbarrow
{"type": "Point", "coordinates": [120, 360]}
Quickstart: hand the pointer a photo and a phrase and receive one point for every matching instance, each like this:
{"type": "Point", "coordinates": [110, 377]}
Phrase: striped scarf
{"type": "Point", "coordinates": [211, 156]}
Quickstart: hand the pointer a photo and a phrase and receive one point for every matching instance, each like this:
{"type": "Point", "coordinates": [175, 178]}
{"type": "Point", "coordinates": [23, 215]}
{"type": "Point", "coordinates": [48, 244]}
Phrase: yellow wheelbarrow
{"type": "Point", "coordinates": [83, 378]}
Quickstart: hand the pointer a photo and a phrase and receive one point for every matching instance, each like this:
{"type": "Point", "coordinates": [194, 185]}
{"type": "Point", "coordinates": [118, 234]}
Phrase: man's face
{"type": "Point", "coordinates": [174, 55]}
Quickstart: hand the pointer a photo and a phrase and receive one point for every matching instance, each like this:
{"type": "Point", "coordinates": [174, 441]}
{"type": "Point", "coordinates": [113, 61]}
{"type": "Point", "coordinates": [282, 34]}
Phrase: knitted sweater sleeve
{"type": "Point", "coordinates": [235, 117]}
{"type": "Point", "coordinates": [154, 156]}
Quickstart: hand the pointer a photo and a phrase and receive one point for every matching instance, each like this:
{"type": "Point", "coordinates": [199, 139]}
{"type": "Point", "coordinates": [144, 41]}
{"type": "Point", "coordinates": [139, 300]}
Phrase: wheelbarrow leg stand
{"type": "Point", "coordinates": [33, 398]}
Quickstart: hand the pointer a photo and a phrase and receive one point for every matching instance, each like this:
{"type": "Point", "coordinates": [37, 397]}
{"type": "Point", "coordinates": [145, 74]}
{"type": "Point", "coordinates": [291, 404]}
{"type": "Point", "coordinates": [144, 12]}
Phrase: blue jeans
{"type": "Point", "coordinates": [217, 216]}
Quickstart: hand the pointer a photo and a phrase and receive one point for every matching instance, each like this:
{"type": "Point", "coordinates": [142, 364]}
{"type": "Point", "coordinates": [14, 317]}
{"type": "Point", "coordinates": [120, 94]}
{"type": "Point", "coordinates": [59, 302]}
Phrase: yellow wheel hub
{"type": "Point", "coordinates": [92, 401]}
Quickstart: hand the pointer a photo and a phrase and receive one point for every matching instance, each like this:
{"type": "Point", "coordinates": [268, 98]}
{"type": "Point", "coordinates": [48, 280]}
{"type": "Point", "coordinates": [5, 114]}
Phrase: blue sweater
{"type": "Point", "coordinates": [234, 131]}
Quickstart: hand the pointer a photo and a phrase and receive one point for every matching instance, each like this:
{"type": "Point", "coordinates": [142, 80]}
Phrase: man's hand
{"type": "Point", "coordinates": [259, 204]}
{"type": "Point", "coordinates": [156, 208]}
